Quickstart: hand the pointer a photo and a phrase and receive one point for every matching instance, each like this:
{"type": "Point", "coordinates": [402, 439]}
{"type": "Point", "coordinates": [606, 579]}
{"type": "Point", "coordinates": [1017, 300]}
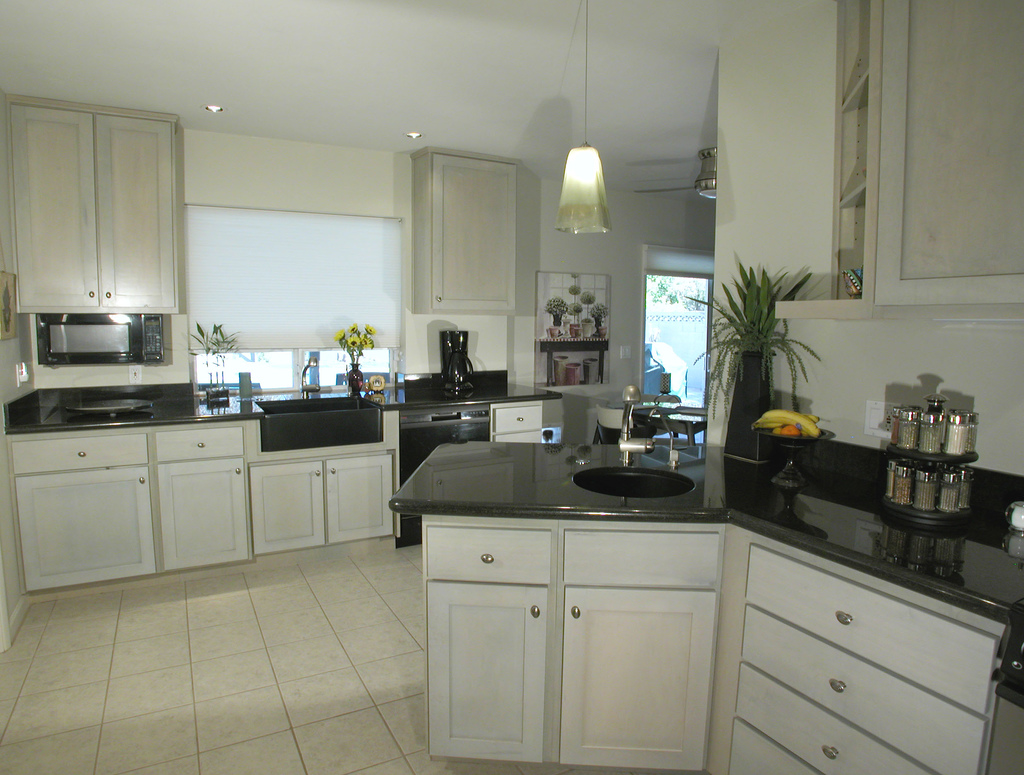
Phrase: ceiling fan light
{"type": "Point", "coordinates": [583, 205]}
{"type": "Point", "coordinates": [706, 183]}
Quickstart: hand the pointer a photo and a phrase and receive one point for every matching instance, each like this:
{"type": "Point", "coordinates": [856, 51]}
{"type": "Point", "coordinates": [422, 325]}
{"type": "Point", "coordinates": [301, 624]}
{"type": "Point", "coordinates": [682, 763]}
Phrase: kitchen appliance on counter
{"type": "Point", "coordinates": [420, 431]}
{"type": "Point", "coordinates": [456, 367]}
{"type": "Point", "coordinates": [81, 339]}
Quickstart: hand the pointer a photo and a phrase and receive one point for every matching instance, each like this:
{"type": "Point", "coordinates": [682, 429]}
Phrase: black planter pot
{"type": "Point", "coordinates": [749, 401]}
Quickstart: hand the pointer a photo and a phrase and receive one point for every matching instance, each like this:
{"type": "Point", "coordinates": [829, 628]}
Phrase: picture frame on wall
{"type": "Point", "coordinates": [8, 309]}
{"type": "Point", "coordinates": [571, 328]}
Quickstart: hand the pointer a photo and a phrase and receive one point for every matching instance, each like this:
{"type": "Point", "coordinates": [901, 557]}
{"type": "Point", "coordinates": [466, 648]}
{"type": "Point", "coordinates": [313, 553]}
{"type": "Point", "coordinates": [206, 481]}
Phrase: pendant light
{"type": "Point", "coordinates": [706, 183]}
{"type": "Point", "coordinates": [583, 206]}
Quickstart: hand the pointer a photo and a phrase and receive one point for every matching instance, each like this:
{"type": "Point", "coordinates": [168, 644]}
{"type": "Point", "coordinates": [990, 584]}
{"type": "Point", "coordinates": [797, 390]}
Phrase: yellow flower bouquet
{"type": "Point", "coordinates": [354, 340]}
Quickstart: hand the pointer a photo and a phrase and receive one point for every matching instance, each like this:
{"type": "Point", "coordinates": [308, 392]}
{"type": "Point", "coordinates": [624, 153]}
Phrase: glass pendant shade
{"type": "Point", "coordinates": [583, 206]}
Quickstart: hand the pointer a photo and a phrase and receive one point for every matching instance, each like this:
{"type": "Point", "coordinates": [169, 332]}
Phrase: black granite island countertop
{"type": "Point", "coordinates": [838, 517]}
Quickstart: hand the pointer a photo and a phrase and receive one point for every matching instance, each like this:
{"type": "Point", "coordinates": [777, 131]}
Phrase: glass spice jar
{"type": "Point", "coordinates": [930, 432]}
{"type": "Point", "coordinates": [909, 422]}
{"type": "Point", "coordinates": [925, 489]}
{"type": "Point", "coordinates": [957, 432]}
{"type": "Point", "coordinates": [902, 482]}
{"type": "Point", "coordinates": [972, 432]}
{"type": "Point", "coordinates": [966, 480]}
{"type": "Point", "coordinates": [949, 490]}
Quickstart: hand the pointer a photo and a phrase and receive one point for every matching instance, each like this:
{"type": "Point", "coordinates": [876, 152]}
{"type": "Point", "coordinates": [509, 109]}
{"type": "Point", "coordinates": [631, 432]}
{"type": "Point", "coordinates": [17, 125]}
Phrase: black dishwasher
{"type": "Point", "coordinates": [420, 431]}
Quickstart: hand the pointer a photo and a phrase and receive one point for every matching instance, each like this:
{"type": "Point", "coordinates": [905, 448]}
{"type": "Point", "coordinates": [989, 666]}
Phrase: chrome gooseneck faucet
{"type": "Point", "coordinates": [631, 396]}
{"type": "Point", "coordinates": [312, 387]}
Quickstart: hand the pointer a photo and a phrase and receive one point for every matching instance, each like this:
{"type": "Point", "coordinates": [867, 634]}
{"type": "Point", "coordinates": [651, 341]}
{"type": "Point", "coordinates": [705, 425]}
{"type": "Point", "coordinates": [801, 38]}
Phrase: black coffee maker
{"type": "Point", "coordinates": [455, 364]}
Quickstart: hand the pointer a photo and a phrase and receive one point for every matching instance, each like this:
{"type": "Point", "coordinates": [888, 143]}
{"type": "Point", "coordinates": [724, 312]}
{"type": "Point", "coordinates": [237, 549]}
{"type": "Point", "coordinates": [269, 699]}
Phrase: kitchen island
{"type": "Point", "coordinates": [684, 632]}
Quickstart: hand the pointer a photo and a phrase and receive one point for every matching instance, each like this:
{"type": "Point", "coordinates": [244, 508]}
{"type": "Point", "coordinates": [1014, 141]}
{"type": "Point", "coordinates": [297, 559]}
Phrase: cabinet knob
{"type": "Point", "coordinates": [575, 611]}
{"type": "Point", "coordinates": [107, 294]}
{"type": "Point", "coordinates": [519, 419]}
{"type": "Point", "coordinates": [830, 751]}
{"type": "Point", "coordinates": [238, 470]}
{"type": "Point", "coordinates": [844, 618]}
{"type": "Point", "coordinates": [334, 471]}
{"type": "Point", "coordinates": [92, 294]}
{"type": "Point", "coordinates": [142, 480]}
{"type": "Point", "coordinates": [487, 558]}
{"type": "Point", "coordinates": [201, 444]}
{"type": "Point", "coordinates": [535, 611]}
{"type": "Point", "coordinates": [317, 472]}
{"type": "Point", "coordinates": [438, 298]}
{"type": "Point", "coordinates": [837, 686]}
{"type": "Point", "coordinates": [81, 454]}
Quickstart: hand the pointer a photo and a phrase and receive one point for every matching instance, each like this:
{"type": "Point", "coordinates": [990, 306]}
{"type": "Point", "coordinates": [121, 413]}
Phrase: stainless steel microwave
{"type": "Point", "coordinates": [65, 339]}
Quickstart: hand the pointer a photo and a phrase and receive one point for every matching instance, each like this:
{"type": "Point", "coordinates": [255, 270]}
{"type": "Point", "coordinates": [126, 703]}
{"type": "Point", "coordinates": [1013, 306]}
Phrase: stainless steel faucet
{"type": "Point", "coordinates": [312, 387]}
{"type": "Point", "coordinates": [627, 446]}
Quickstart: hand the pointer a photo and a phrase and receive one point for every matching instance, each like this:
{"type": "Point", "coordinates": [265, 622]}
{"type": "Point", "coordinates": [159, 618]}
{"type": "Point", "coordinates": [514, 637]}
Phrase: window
{"type": "Point", "coordinates": [676, 328]}
{"type": "Point", "coordinates": [272, 370]}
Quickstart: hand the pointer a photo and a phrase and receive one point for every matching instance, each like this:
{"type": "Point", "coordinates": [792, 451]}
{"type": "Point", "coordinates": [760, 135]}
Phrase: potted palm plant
{"type": "Point", "coordinates": [745, 338]}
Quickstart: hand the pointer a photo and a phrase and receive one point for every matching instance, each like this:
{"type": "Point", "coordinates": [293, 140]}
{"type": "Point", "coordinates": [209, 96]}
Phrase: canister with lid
{"type": "Point", "coordinates": [902, 476]}
{"type": "Point", "coordinates": [949, 490]}
{"type": "Point", "coordinates": [966, 480]}
{"type": "Point", "coordinates": [930, 425]}
{"type": "Point", "coordinates": [909, 422]}
{"type": "Point", "coordinates": [960, 428]}
{"type": "Point", "coordinates": [925, 489]}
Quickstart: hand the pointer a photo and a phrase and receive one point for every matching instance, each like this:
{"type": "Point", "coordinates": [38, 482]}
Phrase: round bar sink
{"type": "Point", "coordinates": [633, 482]}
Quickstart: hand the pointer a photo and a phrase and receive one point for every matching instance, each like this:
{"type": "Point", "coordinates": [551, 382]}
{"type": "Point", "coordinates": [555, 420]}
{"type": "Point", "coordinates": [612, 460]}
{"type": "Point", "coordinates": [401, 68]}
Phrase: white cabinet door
{"type": "Point", "coordinates": [287, 506]}
{"type": "Point", "coordinates": [636, 677]}
{"type": "Point", "coordinates": [485, 670]}
{"type": "Point", "coordinates": [464, 211]}
{"type": "Point", "coordinates": [202, 512]}
{"type": "Point", "coordinates": [755, 754]}
{"type": "Point", "coordinates": [358, 490]}
{"type": "Point", "coordinates": [135, 201]}
{"type": "Point", "coordinates": [85, 526]}
{"type": "Point", "coordinates": [55, 208]}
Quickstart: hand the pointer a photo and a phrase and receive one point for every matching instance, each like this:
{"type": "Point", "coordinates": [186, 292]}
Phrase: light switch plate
{"type": "Point", "coordinates": [134, 374]}
{"type": "Point", "coordinates": [625, 351]}
{"type": "Point", "coordinates": [876, 419]}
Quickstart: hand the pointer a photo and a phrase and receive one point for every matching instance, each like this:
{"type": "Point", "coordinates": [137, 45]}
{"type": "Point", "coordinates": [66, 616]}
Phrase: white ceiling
{"type": "Point", "coordinates": [504, 78]}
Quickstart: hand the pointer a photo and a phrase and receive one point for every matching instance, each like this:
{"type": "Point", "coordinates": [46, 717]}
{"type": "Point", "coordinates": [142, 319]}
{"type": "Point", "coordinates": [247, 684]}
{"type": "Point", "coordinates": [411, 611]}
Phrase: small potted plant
{"type": "Point", "coordinates": [599, 312]}
{"type": "Point", "coordinates": [575, 309]}
{"type": "Point", "coordinates": [556, 307]}
{"type": "Point", "coordinates": [214, 344]}
{"type": "Point", "coordinates": [354, 340]}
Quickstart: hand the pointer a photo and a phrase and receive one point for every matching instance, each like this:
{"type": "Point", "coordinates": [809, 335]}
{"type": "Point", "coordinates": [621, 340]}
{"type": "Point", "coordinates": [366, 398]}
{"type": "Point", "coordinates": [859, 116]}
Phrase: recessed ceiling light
{"type": "Point", "coordinates": [414, 135]}
{"type": "Point", "coordinates": [213, 108]}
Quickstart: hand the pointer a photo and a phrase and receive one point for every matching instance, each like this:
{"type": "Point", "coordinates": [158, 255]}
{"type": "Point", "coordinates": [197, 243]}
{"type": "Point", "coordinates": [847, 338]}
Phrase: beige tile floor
{"type": "Point", "coordinates": [311, 667]}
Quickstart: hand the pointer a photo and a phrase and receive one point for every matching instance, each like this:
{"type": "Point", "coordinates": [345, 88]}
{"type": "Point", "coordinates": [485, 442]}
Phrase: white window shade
{"type": "Point", "coordinates": [695, 263]}
{"type": "Point", "coordinates": [289, 280]}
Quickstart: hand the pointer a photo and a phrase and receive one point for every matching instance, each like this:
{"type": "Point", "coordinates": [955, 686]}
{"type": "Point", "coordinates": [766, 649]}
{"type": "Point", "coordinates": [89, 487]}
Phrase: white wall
{"type": "Point", "coordinates": [775, 157]}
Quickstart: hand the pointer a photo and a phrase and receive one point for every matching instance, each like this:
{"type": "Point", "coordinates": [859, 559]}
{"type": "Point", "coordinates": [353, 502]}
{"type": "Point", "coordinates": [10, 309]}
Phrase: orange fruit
{"type": "Point", "coordinates": [788, 430]}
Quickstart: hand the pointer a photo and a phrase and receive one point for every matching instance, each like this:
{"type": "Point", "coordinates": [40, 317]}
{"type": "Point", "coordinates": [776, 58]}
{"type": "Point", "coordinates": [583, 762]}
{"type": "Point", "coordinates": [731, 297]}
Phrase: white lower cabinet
{"type": "Point", "coordinates": [358, 490]}
{"type": "Point", "coordinates": [636, 677]}
{"type": "Point", "coordinates": [485, 670]}
{"type": "Point", "coordinates": [287, 505]}
{"type": "Point", "coordinates": [627, 675]}
{"type": "Point", "coordinates": [755, 754]}
{"type": "Point", "coordinates": [313, 502]}
{"type": "Point", "coordinates": [202, 512]}
{"type": "Point", "coordinates": [85, 526]}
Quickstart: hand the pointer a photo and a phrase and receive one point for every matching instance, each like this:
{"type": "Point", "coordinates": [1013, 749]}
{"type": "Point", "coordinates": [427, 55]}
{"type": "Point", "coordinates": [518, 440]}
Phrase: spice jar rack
{"type": "Point", "coordinates": [927, 478]}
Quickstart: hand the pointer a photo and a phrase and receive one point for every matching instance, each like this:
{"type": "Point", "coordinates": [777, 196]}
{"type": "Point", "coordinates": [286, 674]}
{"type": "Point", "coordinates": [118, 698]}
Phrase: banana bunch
{"type": "Point", "coordinates": [782, 422]}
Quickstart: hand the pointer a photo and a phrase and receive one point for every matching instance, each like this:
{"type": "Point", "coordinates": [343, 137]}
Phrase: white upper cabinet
{"type": "Point", "coordinates": [464, 233]}
{"type": "Point", "coordinates": [951, 196]}
{"type": "Point", "coordinates": [95, 209]}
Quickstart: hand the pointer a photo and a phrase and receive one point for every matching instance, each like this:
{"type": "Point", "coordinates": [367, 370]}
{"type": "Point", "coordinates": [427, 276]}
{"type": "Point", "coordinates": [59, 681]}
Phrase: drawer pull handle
{"type": "Point", "coordinates": [487, 558]}
{"type": "Point", "coordinates": [81, 454]}
{"type": "Point", "coordinates": [238, 470]}
{"type": "Point", "coordinates": [844, 618]}
{"type": "Point", "coordinates": [535, 611]}
{"type": "Point", "coordinates": [837, 686]}
{"type": "Point", "coordinates": [142, 480]}
{"type": "Point", "coordinates": [108, 294]}
{"type": "Point", "coordinates": [201, 444]}
{"type": "Point", "coordinates": [92, 294]}
{"type": "Point", "coordinates": [830, 751]}
{"type": "Point", "coordinates": [575, 611]}
{"type": "Point", "coordinates": [519, 419]}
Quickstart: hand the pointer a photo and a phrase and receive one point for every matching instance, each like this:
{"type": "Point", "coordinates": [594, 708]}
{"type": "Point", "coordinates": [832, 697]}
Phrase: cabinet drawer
{"type": "Point", "coordinates": [755, 754]}
{"type": "Point", "coordinates": [642, 558]}
{"type": "Point", "coordinates": [488, 554]}
{"type": "Point", "coordinates": [508, 419]}
{"type": "Point", "coordinates": [198, 443]}
{"type": "Point", "coordinates": [908, 718]}
{"type": "Point", "coordinates": [69, 454]}
{"type": "Point", "coordinates": [901, 637]}
{"type": "Point", "coordinates": [812, 733]}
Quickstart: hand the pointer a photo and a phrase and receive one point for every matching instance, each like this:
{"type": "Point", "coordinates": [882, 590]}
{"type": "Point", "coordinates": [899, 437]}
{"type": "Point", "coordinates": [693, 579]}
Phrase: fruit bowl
{"type": "Point", "coordinates": [790, 478]}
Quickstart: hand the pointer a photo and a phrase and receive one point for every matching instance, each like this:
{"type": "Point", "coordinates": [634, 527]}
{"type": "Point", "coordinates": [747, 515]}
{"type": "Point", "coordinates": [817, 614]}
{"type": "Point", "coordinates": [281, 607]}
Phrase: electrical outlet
{"type": "Point", "coordinates": [134, 374]}
{"type": "Point", "coordinates": [877, 419]}
{"type": "Point", "coordinates": [21, 373]}
{"type": "Point", "coordinates": [625, 351]}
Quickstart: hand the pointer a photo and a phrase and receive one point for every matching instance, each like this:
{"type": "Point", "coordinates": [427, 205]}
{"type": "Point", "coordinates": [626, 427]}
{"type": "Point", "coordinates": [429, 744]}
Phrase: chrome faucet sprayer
{"type": "Point", "coordinates": [630, 396]}
{"type": "Point", "coordinates": [312, 387]}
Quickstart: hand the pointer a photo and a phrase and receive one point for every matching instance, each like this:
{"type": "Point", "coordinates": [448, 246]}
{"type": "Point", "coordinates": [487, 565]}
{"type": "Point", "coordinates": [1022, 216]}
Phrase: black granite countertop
{"type": "Point", "coordinates": [838, 516]}
{"type": "Point", "coordinates": [54, 409]}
